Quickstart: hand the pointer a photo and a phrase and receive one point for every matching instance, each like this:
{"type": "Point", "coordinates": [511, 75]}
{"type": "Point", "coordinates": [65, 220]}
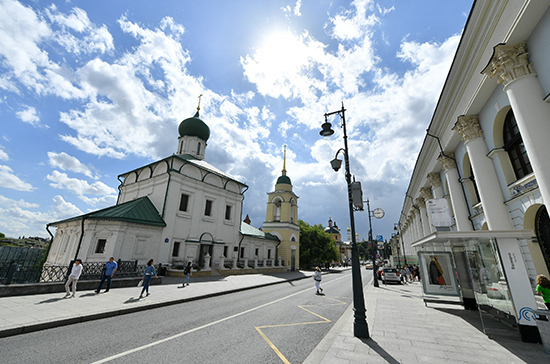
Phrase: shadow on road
{"type": "Point", "coordinates": [131, 300]}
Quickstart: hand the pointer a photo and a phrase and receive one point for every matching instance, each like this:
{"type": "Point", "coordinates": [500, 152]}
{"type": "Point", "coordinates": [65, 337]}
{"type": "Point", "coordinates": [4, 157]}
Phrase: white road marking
{"type": "Point", "coordinates": [128, 352]}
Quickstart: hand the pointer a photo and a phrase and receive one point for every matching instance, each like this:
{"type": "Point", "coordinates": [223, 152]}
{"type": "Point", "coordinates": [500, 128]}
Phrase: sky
{"type": "Point", "coordinates": [90, 90]}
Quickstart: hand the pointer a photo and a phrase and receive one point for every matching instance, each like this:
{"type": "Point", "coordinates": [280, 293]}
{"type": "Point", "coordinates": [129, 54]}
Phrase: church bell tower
{"type": "Point", "coordinates": [282, 219]}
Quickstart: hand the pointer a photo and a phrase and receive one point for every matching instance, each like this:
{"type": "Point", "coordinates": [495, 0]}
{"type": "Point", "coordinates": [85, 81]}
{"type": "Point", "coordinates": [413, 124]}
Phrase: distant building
{"type": "Point", "coordinates": [344, 248]}
{"type": "Point", "coordinates": [486, 154]}
{"type": "Point", "coordinates": [180, 209]}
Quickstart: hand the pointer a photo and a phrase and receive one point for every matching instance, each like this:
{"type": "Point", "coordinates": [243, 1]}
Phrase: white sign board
{"type": "Point", "coordinates": [439, 212]}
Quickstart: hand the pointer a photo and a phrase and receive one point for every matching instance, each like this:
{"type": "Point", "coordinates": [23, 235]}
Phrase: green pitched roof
{"type": "Point", "coordinates": [249, 230]}
{"type": "Point", "coordinates": [139, 211]}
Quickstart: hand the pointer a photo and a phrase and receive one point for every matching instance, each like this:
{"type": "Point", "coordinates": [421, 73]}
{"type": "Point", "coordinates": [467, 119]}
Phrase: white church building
{"type": "Point", "coordinates": [487, 154]}
{"type": "Point", "coordinates": [175, 210]}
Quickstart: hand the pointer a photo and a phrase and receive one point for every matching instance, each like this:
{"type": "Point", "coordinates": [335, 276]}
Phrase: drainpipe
{"type": "Point", "coordinates": [47, 250]}
{"type": "Point", "coordinates": [80, 240]}
{"type": "Point", "coordinates": [240, 222]}
{"type": "Point", "coordinates": [167, 186]}
{"type": "Point", "coordinates": [119, 189]}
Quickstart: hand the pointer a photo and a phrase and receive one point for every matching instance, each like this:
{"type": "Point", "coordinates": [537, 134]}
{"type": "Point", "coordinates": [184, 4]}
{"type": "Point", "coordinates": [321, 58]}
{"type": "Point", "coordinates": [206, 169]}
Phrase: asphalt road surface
{"type": "Point", "coordinates": [275, 324]}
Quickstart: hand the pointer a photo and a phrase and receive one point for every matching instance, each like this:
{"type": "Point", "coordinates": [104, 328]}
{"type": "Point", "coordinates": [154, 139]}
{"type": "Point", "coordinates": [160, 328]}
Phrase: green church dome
{"type": "Point", "coordinates": [284, 179]}
{"type": "Point", "coordinates": [194, 127]}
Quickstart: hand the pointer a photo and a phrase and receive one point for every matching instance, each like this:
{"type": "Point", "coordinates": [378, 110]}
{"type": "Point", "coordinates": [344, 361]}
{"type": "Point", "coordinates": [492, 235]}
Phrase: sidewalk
{"type": "Point", "coordinates": [403, 330]}
{"type": "Point", "coordinates": [22, 314]}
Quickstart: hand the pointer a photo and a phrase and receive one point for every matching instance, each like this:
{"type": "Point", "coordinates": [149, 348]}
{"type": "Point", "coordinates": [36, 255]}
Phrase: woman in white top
{"type": "Point", "coordinates": [317, 278]}
{"type": "Point", "coordinates": [73, 277]}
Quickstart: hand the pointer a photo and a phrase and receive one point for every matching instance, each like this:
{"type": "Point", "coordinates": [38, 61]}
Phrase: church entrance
{"type": "Point", "coordinates": [542, 229]}
{"type": "Point", "coordinates": [293, 260]}
{"type": "Point", "coordinates": [205, 248]}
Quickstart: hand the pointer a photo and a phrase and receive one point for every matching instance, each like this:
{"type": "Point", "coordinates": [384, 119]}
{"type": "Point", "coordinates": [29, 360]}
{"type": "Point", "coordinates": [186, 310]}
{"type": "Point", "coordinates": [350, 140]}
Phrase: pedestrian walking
{"type": "Point", "coordinates": [108, 273]}
{"type": "Point", "coordinates": [187, 272]}
{"type": "Point", "coordinates": [543, 289]}
{"type": "Point", "coordinates": [73, 277]}
{"type": "Point", "coordinates": [317, 279]}
{"type": "Point", "coordinates": [147, 275]}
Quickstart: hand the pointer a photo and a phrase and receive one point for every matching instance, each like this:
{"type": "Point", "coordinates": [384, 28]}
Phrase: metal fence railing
{"type": "Point", "coordinates": [16, 273]}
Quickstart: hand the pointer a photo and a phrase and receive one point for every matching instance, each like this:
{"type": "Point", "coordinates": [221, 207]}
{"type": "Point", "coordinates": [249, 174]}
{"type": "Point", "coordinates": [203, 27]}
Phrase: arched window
{"type": "Point", "coordinates": [513, 144]}
{"type": "Point", "coordinates": [277, 212]}
{"type": "Point", "coordinates": [199, 148]}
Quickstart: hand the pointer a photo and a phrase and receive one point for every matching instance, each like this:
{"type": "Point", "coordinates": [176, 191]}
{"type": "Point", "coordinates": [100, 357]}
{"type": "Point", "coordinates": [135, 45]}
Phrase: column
{"type": "Point", "coordinates": [437, 185]}
{"type": "Point", "coordinates": [510, 63]}
{"type": "Point", "coordinates": [457, 194]}
{"type": "Point", "coordinates": [495, 211]}
{"type": "Point", "coordinates": [421, 203]}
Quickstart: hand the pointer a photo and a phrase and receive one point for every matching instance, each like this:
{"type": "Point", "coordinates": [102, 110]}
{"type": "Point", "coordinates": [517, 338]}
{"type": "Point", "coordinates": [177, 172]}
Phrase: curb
{"type": "Point", "coordinates": [102, 315]}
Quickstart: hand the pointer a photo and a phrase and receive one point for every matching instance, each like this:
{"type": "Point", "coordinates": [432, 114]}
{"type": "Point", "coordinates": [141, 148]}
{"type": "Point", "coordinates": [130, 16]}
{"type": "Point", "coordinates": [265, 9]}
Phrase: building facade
{"type": "Point", "coordinates": [175, 210]}
{"type": "Point", "coordinates": [485, 154]}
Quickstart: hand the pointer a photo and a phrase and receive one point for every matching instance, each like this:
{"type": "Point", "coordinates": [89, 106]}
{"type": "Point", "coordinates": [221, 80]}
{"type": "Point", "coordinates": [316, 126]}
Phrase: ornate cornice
{"type": "Point", "coordinates": [468, 127]}
{"type": "Point", "coordinates": [427, 192]}
{"type": "Point", "coordinates": [435, 179]}
{"type": "Point", "coordinates": [509, 62]}
{"type": "Point", "coordinates": [447, 161]}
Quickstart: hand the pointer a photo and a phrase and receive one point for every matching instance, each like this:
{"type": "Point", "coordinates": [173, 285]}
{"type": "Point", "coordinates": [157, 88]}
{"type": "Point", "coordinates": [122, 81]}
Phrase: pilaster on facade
{"type": "Point", "coordinates": [458, 200]}
{"type": "Point", "coordinates": [437, 185]}
{"type": "Point", "coordinates": [447, 161]}
{"type": "Point", "coordinates": [468, 128]}
{"type": "Point", "coordinates": [492, 200]}
{"type": "Point", "coordinates": [426, 194]}
{"type": "Point", "coordinates": [509, 62]}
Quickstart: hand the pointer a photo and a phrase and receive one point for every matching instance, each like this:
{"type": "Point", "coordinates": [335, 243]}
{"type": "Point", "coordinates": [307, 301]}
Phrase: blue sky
{"type": "Point", "coordinates": [89, 90]}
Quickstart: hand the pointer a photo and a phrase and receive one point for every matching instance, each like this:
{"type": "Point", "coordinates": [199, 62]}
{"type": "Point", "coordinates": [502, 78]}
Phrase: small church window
{"type": "Point", "coordinates": [176, 249]}
{"type": "Point", "coordinates": [268, 253]}
{"type": "Point", "coordinates": [228, 212]}
{"type": "Point", "coordinates": [198, 148]}
{"type": "Point", "coordinates": [100, 247]}
{"type": "Point", "coordinates": [184, 202]}
{"type": "Point", "coordinates": [256, 252]}
{"type": "Point", "coordinates": [208, 208]}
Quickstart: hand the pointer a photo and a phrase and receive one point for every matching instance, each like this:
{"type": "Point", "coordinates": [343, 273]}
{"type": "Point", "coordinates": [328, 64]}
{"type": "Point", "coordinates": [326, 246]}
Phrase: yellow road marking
{"type": "Point", "coordinates": [325, 320]}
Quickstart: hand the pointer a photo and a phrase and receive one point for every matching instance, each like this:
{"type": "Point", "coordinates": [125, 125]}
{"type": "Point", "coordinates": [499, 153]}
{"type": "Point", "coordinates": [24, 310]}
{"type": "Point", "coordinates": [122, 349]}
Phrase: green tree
{"type": "Point", "coordinates": [316, 246]}
{"type": "Point", "coordinates": [2, 235]}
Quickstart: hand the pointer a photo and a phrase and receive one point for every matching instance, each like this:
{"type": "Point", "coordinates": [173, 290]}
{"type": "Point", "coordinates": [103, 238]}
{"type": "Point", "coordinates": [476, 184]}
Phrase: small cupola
{"type": "Point", "coordinates": [193, 135]}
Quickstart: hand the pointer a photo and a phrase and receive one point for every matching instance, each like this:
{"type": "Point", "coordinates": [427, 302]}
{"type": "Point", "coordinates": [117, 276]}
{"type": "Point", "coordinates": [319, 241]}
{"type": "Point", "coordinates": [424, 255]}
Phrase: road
{"type": "Point", "coordinates": [275, 324]}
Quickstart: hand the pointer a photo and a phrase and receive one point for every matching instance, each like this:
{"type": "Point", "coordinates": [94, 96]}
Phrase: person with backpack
{"type": "Point", "coordinates": [187, 272]}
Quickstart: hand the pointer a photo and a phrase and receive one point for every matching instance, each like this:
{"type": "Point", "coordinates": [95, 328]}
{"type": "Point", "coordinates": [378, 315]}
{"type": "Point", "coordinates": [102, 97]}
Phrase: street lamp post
{"type": "Point", "coordinates": [371, 241]}
{"type": "Point", "coordinates": [360, 327]}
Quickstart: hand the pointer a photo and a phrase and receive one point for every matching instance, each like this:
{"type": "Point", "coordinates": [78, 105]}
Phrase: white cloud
{"type": "Point", "coordinates": [3, 155]}
{"type": "Point", "coordinates": [66, 162]}
{"type": "Point", "coordinates": [78, 186]}
{"type": "Point", "coordinates": [62, 209]}
{"type": "Point", "coordinates": [10, 180]}
{"type": "Point", "coordinates": [28, 115]}
{"type": "Point", "coordinates": [96, 38]}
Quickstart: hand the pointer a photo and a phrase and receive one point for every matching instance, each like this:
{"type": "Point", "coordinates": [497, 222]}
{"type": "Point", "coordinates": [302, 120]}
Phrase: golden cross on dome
{"type": "Point", "coordinates": [199, 106]}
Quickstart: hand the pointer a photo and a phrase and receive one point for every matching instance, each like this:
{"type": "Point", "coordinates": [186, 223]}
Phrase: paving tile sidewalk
{"type": "Point", "coordinates": [21, 314]}
{"type": "Point", "coordinates": [403, 330]}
